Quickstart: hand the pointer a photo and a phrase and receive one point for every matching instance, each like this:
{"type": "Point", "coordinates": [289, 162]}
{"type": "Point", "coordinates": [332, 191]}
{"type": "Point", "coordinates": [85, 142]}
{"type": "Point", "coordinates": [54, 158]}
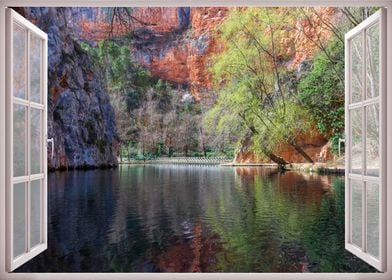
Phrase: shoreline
{"type": "Point", "coordinates": [318, 167]}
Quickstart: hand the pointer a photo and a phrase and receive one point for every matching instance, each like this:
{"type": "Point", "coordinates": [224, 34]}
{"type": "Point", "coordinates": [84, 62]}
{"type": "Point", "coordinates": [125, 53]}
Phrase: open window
{"type": "Point", "coordinates": [365, 199]}
{"type": "Point", "coordinates": [366, 173]}
{"type": "Point", "coordinates": [26, 131]}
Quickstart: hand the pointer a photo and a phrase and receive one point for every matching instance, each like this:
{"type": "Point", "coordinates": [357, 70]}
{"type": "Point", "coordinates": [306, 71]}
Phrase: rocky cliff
{"type": "Point", "coordinates": [190, 51]}
{"type": "Point", "coordinates": [174, 43]}
{"type": "Point", "coordinates": [80, 117]}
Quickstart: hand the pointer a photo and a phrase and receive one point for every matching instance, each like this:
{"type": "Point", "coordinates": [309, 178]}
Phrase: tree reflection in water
{"type": "Point", "coordinates": [178, 218]}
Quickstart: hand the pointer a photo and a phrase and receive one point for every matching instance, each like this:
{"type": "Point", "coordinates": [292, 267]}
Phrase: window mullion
{"type": "Point", "coordinates": [28, 206]}
{"type": "Point", "coordinates": [364, 165]}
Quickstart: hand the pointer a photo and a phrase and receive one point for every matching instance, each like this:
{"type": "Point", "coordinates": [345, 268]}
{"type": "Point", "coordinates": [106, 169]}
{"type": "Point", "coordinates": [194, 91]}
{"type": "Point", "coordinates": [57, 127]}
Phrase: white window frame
{"type": "Point", "coordinates": [377, 18]}
{"type": "Point", "coordinates": [16, 19]}
{"type": "Point", "coordinates": [196, 3]}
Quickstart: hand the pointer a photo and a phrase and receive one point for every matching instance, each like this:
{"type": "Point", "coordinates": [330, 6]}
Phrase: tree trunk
{"type": "Point", "coordinates": [121, 160]}
{"type": "Point", "coordinates": [245, 144]}
{"type": "Point", "coordinates": [277, 159]}
{"type": "Point", "coordinates": [128, 152]}
{"type": "Point", "coordinates": [301, 151]}
{"type": "Point", "coordinates": [203, 146]}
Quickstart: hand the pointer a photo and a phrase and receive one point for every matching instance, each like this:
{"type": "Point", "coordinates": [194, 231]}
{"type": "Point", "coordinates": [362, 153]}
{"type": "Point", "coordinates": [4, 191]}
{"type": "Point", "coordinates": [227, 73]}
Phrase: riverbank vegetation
{"type": "Point", "coordinates": [273, 102]}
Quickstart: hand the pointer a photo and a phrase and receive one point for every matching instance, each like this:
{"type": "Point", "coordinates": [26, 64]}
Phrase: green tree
{"type": "Point", "coordinates": [250, 76]}
{"type": "Point", "coordinates": [321, 91]}
{"type": "Point", "coordinates": [127, 84]}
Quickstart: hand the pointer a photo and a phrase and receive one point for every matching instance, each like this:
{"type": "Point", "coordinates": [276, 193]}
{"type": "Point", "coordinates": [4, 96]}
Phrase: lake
{"type": "Point", "coordinates": [191, 218]}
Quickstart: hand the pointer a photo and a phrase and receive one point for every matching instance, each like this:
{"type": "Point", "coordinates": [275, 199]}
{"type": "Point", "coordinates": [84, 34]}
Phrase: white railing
{"type": "Point", "coordinates": [182, 160]}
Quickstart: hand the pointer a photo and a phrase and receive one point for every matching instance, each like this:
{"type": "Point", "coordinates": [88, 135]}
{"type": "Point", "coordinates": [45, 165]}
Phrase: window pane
{"type": "Point", "coordinates": [19, 62]}
{"type": "Point", "coordinates": [373, 218]}
{"type": "Point", "coordinates": [356, 141]}
{"type": "Point", "coordinates": [372, 61]}
{"type": "Point", "coordinates": [19, 219]}
{"type": "Point", "coordinates": [357, 68]}
{"type": "Point", "coordinates": [35, 212]}
{"type": "Point", "coordinates": [19, 141]}
{"type": "Point", "coordinates": [356, 212]}
{"type": "Point", "coordinates": [36, 141]}
{"type": "Point", "coordinates": [372, 140]}
{"type": "Point", "coordinates": [35, 69]}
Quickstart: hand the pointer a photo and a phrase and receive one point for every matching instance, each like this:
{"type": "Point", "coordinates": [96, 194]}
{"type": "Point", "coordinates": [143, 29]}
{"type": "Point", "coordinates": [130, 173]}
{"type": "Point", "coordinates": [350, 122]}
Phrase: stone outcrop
{"type": "Point", "coordinates": [80, 117]}
{"type": "Point", "coordinates": [174, 43]}
{"type": "Point", "coordinates": [182, 56]}
{"type": "Point", "coordinates": [204, 44]}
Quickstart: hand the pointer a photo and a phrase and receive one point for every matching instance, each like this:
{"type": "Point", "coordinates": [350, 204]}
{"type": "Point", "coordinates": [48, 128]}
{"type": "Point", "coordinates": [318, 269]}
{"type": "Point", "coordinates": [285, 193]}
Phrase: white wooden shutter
{"type": "Point", "coordinates": [26, 140]}
{"type": "Point", "coordinates": [365, 99]}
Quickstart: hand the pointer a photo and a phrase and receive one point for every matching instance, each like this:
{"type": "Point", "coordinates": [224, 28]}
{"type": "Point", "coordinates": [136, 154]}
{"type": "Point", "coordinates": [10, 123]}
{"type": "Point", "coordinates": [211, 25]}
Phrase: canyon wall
{"type": "Point", "coordinates": [80, 117]}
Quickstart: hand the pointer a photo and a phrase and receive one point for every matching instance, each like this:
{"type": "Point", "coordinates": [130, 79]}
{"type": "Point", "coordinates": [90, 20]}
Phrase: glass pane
{"type": "Point", "coordinates": [19, 219]}
{"type": "Point", "coordinates": [19, 141]}
{"type": "Point", "coordinates": [356, 141]}
{"type": "Point", "coordinates": [35, 212]}
{"type": "Point", "coordinates": [35, 69]}
{"type": "Point", "coordinates": [372, 140]}
{"type": "Point", "coordinates": [19, 62]}
{"type": "Point", "coordinates": [36, 141]}
{"type": "Point", "coordinates": [356, 212]}
{"type": "Point", "coordinates": [373, 218]}
{"type": "Point", "coordinates": [357, 68]}
{"type": "Point", "coordinates": [372, 61]}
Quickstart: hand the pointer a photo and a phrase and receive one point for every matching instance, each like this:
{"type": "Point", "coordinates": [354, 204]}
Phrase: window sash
{"type": "Point", "coordinates": [362, 251]}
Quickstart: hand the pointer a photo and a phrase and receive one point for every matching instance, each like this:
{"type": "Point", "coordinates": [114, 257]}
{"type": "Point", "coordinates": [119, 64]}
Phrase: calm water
{"type": "Point", "coordinates": [195, 219]}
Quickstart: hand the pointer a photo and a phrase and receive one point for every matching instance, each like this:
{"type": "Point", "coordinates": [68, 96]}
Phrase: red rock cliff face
{"type": "Point", "coordinates": [178, 51]}
{"type": "Point", "coordinates": [159, 19]}
{"type": "Point", "coordinates": [204, 24]}
{"type": "Point", "coordinates": [174, 43]}
{"type": "Point", "coordinates": [95, 23]}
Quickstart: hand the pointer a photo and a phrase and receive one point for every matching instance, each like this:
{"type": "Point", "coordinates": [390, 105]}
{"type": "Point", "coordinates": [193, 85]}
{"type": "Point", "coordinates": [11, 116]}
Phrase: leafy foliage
{"type": "Point", "coordinates": [287, 129]}
{"type": "Point", "coordinates": [250, 75]}
{"type": "Point", "coordinates": [322, 92]}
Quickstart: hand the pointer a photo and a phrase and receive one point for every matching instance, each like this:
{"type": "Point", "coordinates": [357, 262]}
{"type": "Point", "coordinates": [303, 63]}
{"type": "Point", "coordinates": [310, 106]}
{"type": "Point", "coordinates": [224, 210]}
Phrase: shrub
{"type": "Point", "coordinates": [321, 91]}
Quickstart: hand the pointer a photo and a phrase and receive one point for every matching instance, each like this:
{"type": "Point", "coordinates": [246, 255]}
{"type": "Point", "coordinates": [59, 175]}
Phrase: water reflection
{"type": "Point", "coordinates": [178, 218]}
